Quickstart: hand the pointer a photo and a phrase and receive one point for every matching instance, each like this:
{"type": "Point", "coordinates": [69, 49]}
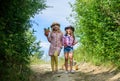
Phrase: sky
{"type": "Point", "coordinates": [59, 11]}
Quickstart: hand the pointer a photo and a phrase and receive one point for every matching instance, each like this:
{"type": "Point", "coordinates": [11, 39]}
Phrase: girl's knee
{"type": "Point", "coordinates": [71, 59]}
{"type": "Point", "coordinates": [66, 59]}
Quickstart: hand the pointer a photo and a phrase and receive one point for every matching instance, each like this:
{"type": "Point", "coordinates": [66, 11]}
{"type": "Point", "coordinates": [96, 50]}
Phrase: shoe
{"type": "Point", "coordinates": [66, 72]}
{"type": "Point", "coordinates": [72, 71]}
{"type": "Point", "coordinates": [53, 72]}
{"type": "Point", "coordinates": [56, 71]}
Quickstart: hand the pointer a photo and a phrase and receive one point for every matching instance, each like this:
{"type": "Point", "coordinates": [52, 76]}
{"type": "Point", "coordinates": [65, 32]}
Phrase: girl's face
{"type": "Point", "coordinates": [55, 27]}
{"type": "Point", "coordinates": [69, 31]}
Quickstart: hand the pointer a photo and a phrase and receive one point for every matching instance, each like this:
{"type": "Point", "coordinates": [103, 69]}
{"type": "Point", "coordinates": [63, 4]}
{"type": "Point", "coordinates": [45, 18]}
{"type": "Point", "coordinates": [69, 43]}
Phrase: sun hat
{"type": "Point", "coordinates": [55, 23]}
{"type": "Point", "coordinates": [70, 27]}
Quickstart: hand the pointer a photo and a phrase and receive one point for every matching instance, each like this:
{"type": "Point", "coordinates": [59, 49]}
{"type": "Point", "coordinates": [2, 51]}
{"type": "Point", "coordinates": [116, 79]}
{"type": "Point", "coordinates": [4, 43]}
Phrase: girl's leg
{"type": "Point", "coordinates": [56, 63]}
{"type": "Point", "coordinates": [71, 60]}
{"type": "Point", "coordinates": [66, 61]}
{"type": "Point", "coordinates": [52, 63]}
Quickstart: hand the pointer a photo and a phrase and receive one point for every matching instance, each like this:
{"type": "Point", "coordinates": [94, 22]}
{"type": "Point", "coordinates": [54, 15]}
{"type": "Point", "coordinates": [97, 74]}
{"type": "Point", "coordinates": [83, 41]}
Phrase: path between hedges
{"type": "Point", "coordinates": [86, 72]}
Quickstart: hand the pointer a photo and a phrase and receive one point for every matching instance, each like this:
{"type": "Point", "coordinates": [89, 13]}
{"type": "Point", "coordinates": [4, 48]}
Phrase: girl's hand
{"type": "Point", "coordinates": [75, 42]}
{"type": "Point", "coordinates": [65, 45]}
{"type": "Point", "coordinates": [46, 32]}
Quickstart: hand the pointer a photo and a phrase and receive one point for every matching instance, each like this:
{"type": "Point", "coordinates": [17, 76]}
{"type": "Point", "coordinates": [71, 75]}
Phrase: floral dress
{"type": "Point", "coordinates": [55, 40]}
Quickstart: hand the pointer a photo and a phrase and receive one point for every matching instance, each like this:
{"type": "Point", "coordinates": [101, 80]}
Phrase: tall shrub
{"type": "Point", "coordinates": [14, 42]}
{"type": "Point", "coordinates": [98, 26]}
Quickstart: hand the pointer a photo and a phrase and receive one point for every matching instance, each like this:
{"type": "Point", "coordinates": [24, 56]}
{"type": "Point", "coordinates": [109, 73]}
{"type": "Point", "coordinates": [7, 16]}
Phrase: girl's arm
{"type": "Point", "coordinates": [75, 42]}
{"type": "Point", "coordinates": [63, 41]}
{"type": "Point", "coordinates": [49, 37]}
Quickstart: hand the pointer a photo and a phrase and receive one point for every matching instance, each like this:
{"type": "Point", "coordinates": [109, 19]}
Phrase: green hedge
{"type": "Point", "coordinates": [98, 27]}
{"type": "Point", "coordinates": [14, 41]}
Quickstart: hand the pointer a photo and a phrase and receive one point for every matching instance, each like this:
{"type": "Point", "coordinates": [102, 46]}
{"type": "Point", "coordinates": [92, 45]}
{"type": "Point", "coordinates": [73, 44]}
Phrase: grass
{"type": "Point", "coordinates": [35, 60]}
{"type": "Point", "coordinates": [81, 56]}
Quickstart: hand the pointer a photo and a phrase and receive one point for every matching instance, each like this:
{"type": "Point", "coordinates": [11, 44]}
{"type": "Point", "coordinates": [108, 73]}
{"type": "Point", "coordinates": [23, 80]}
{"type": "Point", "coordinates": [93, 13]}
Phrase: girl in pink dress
{"type": "Point", "coordinates": [55, 39]}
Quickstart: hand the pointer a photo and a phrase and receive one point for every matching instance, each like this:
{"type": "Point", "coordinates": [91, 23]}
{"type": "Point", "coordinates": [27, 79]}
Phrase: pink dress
{"type": "Point", "coordinates": [55, 40]}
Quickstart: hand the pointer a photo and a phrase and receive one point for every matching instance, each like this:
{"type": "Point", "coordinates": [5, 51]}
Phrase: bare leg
{"type": "Point", "coordinates": [71, 60]}
{"type": "Point", "coordinates": [66, 61]}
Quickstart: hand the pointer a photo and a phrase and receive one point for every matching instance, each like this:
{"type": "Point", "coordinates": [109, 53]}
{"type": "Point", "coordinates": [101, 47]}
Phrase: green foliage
{"type": "Point", "coordinates": [98, 27]}
{"type": "Point", "coordinates": [35, 60]}
{"type": "Point", "coordinates": [34, 49]}
{"type": "Point", "coordinates": [15, 43]}
{"type": "Point", "coordinates": [37, 53]}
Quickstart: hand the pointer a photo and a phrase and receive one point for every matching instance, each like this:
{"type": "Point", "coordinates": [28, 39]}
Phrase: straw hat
{"type": "Point", "coordinates": [55, 23]}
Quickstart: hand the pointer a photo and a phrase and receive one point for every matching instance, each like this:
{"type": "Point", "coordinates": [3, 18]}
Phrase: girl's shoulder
{"type": "Point", "coordinates": [61, 33]}
{"type": "Point", "coordinates": [65, 36]}
{"type": "Point", "coordinates": [51, 32]}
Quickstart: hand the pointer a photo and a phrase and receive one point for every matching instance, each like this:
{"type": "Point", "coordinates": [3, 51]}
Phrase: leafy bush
{"type": "Point", "coordinates": [15, 43]}
{"type": "Point", "coordinates": [98, 26]}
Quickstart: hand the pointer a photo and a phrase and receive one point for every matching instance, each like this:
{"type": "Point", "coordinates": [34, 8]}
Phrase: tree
{"type": "Point", "coordinates": [98, 26]}
{"type": "Point", "coordinates": [14, 42]}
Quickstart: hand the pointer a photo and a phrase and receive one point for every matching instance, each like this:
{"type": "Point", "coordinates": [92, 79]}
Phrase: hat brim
{"type": "Point", "coordinates": [70, 27]}
{"type": "Point", "coordinates": [55, 24]}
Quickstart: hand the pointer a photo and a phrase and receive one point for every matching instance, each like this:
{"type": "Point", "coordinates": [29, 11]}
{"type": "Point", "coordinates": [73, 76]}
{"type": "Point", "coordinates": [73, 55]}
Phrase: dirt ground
{"type": "Point", "coordinates": [85, 72]}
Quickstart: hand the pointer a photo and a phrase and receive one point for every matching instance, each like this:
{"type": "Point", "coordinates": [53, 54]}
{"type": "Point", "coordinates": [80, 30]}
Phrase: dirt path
{"type": "Point", "coordinates": [86, 72]}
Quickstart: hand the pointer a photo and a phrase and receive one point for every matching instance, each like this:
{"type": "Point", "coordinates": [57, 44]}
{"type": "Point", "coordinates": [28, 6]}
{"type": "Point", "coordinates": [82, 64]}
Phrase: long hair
{"type": "Point", "coordinates": [72, 33]}
{"type": "Point", "coordinates": [53, 24]}
{"type": "Point", "coordinates": [59, 31]}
